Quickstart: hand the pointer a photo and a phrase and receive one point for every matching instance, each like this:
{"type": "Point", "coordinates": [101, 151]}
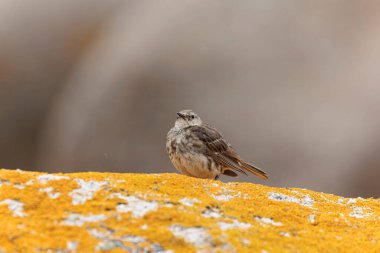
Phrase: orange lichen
{"type": "Point", "coordinates": [97, 212]}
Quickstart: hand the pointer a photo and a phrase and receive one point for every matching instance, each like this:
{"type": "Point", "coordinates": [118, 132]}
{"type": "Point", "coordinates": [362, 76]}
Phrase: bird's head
{"type": "Point", "coordinates": [187, 118]}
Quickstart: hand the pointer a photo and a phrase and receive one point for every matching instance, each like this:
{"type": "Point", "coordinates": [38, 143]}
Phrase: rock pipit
{"type": "Point", "coordinates": [198, 150]}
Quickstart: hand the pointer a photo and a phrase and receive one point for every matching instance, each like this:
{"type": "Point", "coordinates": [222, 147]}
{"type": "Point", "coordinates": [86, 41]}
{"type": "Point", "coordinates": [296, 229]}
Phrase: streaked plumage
{"type": "Point", "coordinates": [198, 150]}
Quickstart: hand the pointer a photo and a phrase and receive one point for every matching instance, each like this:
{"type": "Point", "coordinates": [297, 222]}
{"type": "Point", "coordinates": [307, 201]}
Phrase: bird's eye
{"type": "Point", "coordinates": [192, 116]}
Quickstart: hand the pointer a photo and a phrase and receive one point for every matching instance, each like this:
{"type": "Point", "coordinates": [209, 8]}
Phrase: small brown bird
{"type": "Point", "coordinates": [198, 150]}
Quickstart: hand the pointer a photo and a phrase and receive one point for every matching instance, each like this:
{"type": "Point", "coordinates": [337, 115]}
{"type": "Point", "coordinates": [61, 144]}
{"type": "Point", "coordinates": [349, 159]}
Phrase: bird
{"type": "Point", "coordinates": [198, 150]}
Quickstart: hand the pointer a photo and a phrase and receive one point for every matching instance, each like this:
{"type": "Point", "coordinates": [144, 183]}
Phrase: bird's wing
{"type": "Point", "coordinates": [222, 152]}
{"type": "Point", "coordinates": [217, 147]}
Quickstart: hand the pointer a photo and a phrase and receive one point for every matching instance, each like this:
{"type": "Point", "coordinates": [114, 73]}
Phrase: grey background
{"type": "Point", "coordinates": [95, 85]}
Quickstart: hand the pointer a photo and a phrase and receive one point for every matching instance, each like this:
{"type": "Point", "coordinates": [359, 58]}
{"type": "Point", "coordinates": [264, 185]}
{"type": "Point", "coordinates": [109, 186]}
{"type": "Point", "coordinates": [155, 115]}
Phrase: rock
{"type": "Point", "coordinates": [109, 212]}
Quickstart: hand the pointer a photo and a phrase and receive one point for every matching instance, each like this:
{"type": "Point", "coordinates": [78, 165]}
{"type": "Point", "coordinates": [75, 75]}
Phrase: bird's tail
{"type": "Point", "coordinates": [254, 170]}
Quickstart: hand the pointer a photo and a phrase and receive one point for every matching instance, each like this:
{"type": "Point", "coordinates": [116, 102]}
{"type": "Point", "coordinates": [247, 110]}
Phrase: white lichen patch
{"type": "Point", "coordinates": [86, 191]}
{"type": "Point", "coordinates": [222, 197]}
{"type": "Point", "coordinates": [311, 218]}
{"type": "Point", "coordinates": [197, 236]}
{"type": "Point", "coordinates": [128, 243]}
{"type": "Point", "coordinates": [4, 182]}
{"type": "Point", "coordinates": [30, 182]}
{"type": "Point", "coordinates": [78, 219]}
{"type": "Point", "coordinates": [43, 179]}
{"type": "Point", "coordinates": [343, 201]}
{"type": "Point", "coordinates": [212, 213]}
{"type": "Point", "coordinates": [138, 207]}
{"type": "Point", "coordinates": [285, 234]}
{"type": "Point", "coordinates": [110, 241]}
{"type": "Point", "coordinates": [306, 201]}
{"type": "Point", "coordinates": [215, 184]}
{"type": "Point", "coordinates": [72, 246]}
{"type": "Point", "coordinates": [50, 193]}
{"type": "Point", "coordinates": [97, 233]}
{"type": "Point", "coordinates": [359, 213]}
{"type": "Point", "coordinates": [268, 221]}
{"type": "Point", "coordinates": [223, 193]}
{"type": "Point", "coordinates": [188, 202]}
{"type": "Point", "coordinates": [226, 195]}
{"type": "Point", "coordinates": [15, 206]}
{"type": "Point", "coordinates": [108, 245]}
{"type": "Point", "coordinates": [19, 186]}
{"type": "Point", "coordinates": [245, 241]}
{"type": "Point", "coordinates": [133, 239]}
{"type": "Point", "coordinates": [170, 205]}
{"type": "Point", "coordinates": [233, 225]}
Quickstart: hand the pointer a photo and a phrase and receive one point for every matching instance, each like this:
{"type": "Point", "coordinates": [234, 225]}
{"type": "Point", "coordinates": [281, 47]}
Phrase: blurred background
{"type": "Point", "coordinates": [294, 85]}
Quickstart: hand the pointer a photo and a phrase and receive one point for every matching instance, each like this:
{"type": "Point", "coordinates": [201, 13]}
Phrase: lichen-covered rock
{"type": "Point", "coordinates": [105, 212]}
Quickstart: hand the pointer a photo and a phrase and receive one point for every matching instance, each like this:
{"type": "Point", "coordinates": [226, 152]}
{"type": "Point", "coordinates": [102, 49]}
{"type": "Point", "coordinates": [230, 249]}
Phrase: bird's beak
{"type": "Point", "coordinates": [180, 115]}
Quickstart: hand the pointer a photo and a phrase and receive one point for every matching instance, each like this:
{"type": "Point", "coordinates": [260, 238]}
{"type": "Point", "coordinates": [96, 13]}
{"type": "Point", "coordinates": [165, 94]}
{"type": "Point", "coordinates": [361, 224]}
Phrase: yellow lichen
{"type": "Point", "coordinates": [91, 212]}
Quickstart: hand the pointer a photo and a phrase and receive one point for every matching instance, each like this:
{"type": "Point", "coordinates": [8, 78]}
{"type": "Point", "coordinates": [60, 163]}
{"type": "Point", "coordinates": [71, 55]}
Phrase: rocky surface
{"type": "Point", "coordinates": [167, 213]}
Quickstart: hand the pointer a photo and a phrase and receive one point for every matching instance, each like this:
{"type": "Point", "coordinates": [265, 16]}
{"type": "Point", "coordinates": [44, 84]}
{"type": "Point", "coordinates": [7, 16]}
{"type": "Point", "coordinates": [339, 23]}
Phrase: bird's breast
{"type": "Point", "coordinates": [188, 157]}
